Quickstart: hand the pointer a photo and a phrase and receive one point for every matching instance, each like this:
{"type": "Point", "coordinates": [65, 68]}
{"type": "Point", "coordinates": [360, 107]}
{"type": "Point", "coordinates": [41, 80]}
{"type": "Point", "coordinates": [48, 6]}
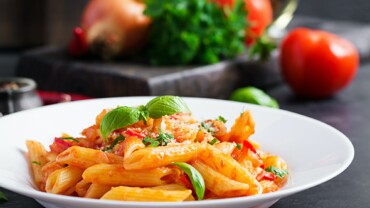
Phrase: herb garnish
{"type": "Point", "coordinates": [222, 119]}
{"type": "Point", "coordinates": [278, 172]}
{"type": "Point", "coordinates": [3, 197]}
{"type": "Point", "coordinates": [161, 140]}
{"type": "Point", "coordinates": [195, 177]}
{"type": "Point", "coordinates": [114, 143]}
{"type": "Point", "coordinates": [239, 146]}
{"type": "Point", "coordinates": [69, 138]}
{"type": "Point", "coordinates": [213, 141]}
{"type": "Point", "coordinates": [36, 163]}
{"type": "Point", "coordinates": [155, 108]}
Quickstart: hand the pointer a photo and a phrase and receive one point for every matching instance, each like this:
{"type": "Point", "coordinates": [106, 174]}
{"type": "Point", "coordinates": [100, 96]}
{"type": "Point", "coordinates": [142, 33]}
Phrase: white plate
{"type": "Point", "coordinates": [314, 151]}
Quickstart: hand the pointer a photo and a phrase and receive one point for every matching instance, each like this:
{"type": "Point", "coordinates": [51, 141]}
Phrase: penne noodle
{"type": "Point", "coordinates": [116, 175]}
{"type": "Point", "coordinates": [85, 157]}
{"type": "Point", "coordinates": [241, 130]}
{"type": "Point", "coordinates": [153, 157]}
{"type": "Point", "coordinates": [82, 187]}
{"type": "Point", "coordinates": [174, 187]}
{"type": "Point", "coordinates": [230, 168]}
{"type": "Point", "coordinates": [96, 191]}
{"type": "Point", "coordinates": [63, 179]}
{"type": "Point", "coordinates": [50, 167]}
{"type": "Point", "coordinates": [37, 158]}
{"type": "Point", "coordinates": [226, 147]}
{"type": "Point", "coordinates": [219, 184]}
{"type": "Point", "coordinates": [124, 193]}
{"type": "Point", "coordinates": [130, 145]}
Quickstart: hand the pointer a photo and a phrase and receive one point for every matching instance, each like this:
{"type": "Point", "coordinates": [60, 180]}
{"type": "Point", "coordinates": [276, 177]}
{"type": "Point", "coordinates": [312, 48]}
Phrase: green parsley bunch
{"type": "Point", "coordinates": [194, 31]}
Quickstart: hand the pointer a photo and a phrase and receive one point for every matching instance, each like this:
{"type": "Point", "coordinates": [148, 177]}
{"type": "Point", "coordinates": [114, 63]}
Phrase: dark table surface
{"type": "Point", "coordinates": [349, 112]}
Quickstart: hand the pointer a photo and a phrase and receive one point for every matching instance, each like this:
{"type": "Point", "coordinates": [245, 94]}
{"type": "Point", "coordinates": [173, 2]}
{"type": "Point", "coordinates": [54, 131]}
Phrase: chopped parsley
{"type": "Point", "coordinates": [161, 140]}
{"type": "Point", "coordinates": [114, 143]}
{"type": "Point", "coordinates": [3, 197]}
{"type": "Point", "coordinates": [206, 127]}
{"type": "Point", "coordinates": [222, 119]}
{"type": "Point", "coordinates": [278, 172]}
{"type": "Point", "coordinates": [213, 141]}
{"type": "Point", "coordinates": [150, 142]}
{"type": "Point", "coordinates": [36, 163]}
{"type": "Point", "coordinates": [239, 146]}
{"type": "Point", "coordinates": [69, 138]}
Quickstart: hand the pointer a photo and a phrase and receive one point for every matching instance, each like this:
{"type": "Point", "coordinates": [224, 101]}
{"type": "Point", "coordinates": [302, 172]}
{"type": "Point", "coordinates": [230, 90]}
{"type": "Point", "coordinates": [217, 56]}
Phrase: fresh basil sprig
{"type": "Point", "coordinates": [118, 118]}
{"type": "Point", "coordinates": [195, 177]}
{"type": "Point", "coordinates": [155, 108]}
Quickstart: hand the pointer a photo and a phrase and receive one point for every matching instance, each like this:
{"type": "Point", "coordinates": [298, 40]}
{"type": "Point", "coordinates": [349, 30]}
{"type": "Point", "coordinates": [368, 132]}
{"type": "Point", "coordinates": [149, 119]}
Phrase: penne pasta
{"type": "Point", "coordinates": [125, 193]}
{"type": "Point", "coordinates": [116, 175]}
{"type": "Point", "coordinates": [37, 158]}
{"type": "Point", "coordinates": [62, 180]}
{"type": "Point", "coordinates": [230, 168]}
{"type": "Point", "coordinates": [219, 184]}
{"type": "Point", "coordinates": [170, 157]}
{"type": "Point", "coordinates": [96, 191]}
{"type": "Point", "coordinates": [85, 157]}
{"type": "Point", "coordinates": [161, 156]}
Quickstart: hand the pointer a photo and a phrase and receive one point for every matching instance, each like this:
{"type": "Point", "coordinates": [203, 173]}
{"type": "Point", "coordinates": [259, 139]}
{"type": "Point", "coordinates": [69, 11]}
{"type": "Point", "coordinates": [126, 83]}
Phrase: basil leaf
{"type": "Point", "coordinates": [166, 105]}
{"type": "Point", "coordinates": [278, 172]}
{"type": "Point", "coordinates": [239, 146]}
{"type": "Point", "coordinates": [195, 177]}
{"type": "Point", "coordinates": [255, 96]}
{"type": "Point", "coordinates": [118, 118]}
{"type": "Point", "coordinates": [3, 197]}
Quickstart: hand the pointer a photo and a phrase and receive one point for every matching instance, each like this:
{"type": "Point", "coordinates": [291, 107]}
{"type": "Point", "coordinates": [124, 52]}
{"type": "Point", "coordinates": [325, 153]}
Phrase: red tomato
{"type": "Point", "coordinates": [317, 64]}
{"type": "Point", "coordinates": [259, 16]}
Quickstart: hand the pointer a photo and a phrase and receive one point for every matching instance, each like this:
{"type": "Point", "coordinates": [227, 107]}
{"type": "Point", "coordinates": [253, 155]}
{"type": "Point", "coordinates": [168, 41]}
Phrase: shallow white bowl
{"type": "Point", "coordinates": [314, 151]}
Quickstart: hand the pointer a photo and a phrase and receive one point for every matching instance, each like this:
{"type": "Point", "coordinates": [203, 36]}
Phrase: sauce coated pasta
{"type": "Point", "coordinates": [169, 157]}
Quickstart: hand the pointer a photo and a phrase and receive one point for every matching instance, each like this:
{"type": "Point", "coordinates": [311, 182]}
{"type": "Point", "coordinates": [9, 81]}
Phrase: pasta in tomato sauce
{"type": "Point", "coordinates": [154, 156]}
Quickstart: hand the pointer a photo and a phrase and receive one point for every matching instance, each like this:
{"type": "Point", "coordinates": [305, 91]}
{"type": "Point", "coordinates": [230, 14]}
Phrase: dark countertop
{"type": "Point", "coordinates": [349, 112]}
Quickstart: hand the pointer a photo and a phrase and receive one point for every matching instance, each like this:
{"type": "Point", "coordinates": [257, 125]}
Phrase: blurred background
{"type": "Point", "coordinates": [26, 24]}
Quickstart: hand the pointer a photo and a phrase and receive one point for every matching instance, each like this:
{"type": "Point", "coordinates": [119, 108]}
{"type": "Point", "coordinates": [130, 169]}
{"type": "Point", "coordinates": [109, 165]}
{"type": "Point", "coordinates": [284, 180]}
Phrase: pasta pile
{"type": "Point", "coordinates": [137, 162]}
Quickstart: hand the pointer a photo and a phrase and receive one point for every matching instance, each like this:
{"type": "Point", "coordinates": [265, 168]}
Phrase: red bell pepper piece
{"type": "Point", "coordinates": [247, 145]}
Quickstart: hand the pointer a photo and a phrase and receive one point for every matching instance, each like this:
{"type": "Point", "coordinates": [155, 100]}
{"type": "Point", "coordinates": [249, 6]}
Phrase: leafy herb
{"type": "Point", "coordinates": [155, 108]}
{"type": "Point", "coordinates": [36, 163]}
{"type": "Point", "coordinates": [118, 118]}
{"type": "Point", "coordinates": [222, 119]}
{"type": "Point", "coordinates": [213, 141]}
{"type": "Point", "coordinates": [114, 143]}
{"type": "Point", "coordinates": [69, 138]}
{"type": "Point", "coordinates": [148, 141]}
{"type": "Point", "coordinates": [3, 197]}
{"type": "Point", "coordinates": [195, 177]}
{"type": "Point", "coordinates": [206, 127]}
{"type": "Point", "coordinates": [166, 105]}
{"type": "Point", "coordinates": [239, 146]}
{"type": "Point", "coordinates": [162, 139]}
{"type": "Point", "coordinates": [255, 96]}
{"type": "Point", "coordinates": [278, 172]}
{"type": "Point", "coordinates": [195, 31]}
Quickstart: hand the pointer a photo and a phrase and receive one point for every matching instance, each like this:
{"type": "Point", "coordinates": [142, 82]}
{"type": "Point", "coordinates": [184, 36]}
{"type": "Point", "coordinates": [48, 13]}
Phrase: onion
{"type": "Point", "coordinates": [115, 27]}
